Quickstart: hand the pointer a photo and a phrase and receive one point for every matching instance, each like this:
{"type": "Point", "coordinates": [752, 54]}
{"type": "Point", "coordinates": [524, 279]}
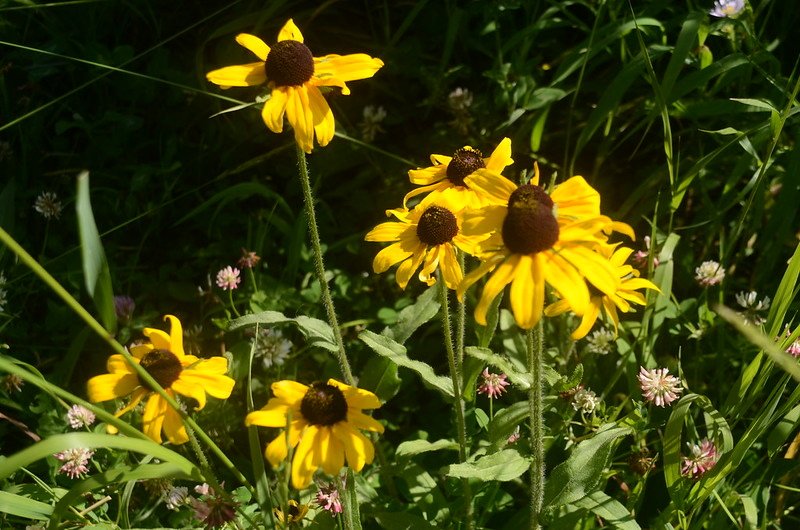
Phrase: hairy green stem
{"type": "Point", "coordinates": [319, 266]}
{"type": "Point", "coordinates": [534, 343]}
{"type": "Point", "coordinates": [98, 328]}
{"type": "Point", "coordinates": [455, 375]}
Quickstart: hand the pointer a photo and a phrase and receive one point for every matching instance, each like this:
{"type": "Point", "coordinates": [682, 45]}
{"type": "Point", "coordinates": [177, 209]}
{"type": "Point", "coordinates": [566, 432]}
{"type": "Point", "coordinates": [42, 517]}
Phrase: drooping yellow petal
{"type": "Point", "coordinates": [190, 389]}
{"type": "Point", "coordinates": [250, 74]}
{"type": "Point", "coordinates": [438, 186]}
{"type": "Point", "coordinates": [358, 449]}
{"type": "Point", "coordinates": [566, 279]}
{"type": "Point", "coordinates": [174, 427]}
{"type": "Point", "coordinates": [215, 385]}
{"type": "Point", "coordinates": [276, 450]}
{"type": "Point", "coordinates": [429, 264]}
{"type": "Point", "coordinates": [451, 270]}
{"type": "Point", "coordinates": [324, 124]}
{"type": "Point", "coordinates": [556, 308]}
{"type": "Point", "coordinates": [359, 420]}
{"type": "Point", "coordinates": [254, 44]}
{"type": "Point", "coordinates": [500, 157]}
{"type": "Point", "coordinates": [478, 273]}
{"type": "Point", "coordinates": [272, 415]}
{"type": "Point", "coordinates": [274, 109]}
{"type": "Point", "coordinates": [175, 335]}
{"type": "Point", "coordinates": [483, 222]}
{"type": "Point", "coordinates": [407, 267]}
{"type": "Point", "coordinates": [495, 188]}
{"type": "Point", "coordinates": [576, 199]}
{"type": "Point", "coordinates": [290, 31]}
{"type": "Point", "coordinates": [389, 231]}
{"type": "Point", "coordinates": [527, 291]}
{"type": "Point", "coordinates": [612, 313]}
{"type": "Point", "coordinates": [153, 417]}
{"type": "Point", "coordinates": [346, 67]}
{"type": "Point", "coordinates": [594, 267]}
{"type": "Point", "coordinates": [428, 175]}
{"type": "Point", "coordinates": [111, 386]}
{"type": "Point", "coordinates": [303, 461]}
{"type": "Point", "coordinates": [502, 276]}
{"type": "Point", "coordinates": [331, 451]}
{"type": "Point", "coordinates": [357, 398]}
{"type": "Point", "coordinates": [298, 114]}
{"type": "Point", "coordinates": [394, 253]}
{"type": "Point", "coordinates": [588, 319]}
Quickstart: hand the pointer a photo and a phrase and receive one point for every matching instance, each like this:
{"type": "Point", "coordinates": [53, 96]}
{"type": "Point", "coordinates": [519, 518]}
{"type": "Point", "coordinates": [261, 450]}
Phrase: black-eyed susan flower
{"type": "Point", "coordinates": [296, 513]}
{"type": "Point", "coordinates": [426, 236]}
{"type": "Point", "coordinates": [622, 298]}
{"type": "Point", "coordinates": [164, 359]}
{"type": "Point", "coordinates": [294, 77]}
{"type": "Point", "coordinates": [450, 172]}
{"type": "Point", "coordinates": [536, 239]}
{"type": "Point", "coordinates": [324, 423]}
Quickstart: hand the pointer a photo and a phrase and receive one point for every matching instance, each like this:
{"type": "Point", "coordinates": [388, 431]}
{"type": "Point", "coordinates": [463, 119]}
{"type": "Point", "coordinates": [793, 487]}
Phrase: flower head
{"type": "Point", "coordinates": [176, 497]}
{"type": "Point", "coordinates": [641, 462]}
{"type": "Point", "coordinates": [794, 348]}
{"type": "Point", "coordinates": [80, 417]}
{"type": "Point", "coordinates": [124, 306]}
{"type": "Point", "coordinates": [493, 384]}
{"type": "Point", "coordinates": [600, 341]}
{"type": "Point", "coordinates": [426, 236]}
{"type": "Point", "coordinates": [514, 436]}
{"type": "Point", "coordinates": [727, 8]}
{"type": "Point", "coordinates": [451, 171]}
{"type": "Point", "coordinates": [228, 278]}
{"type": "Point", "coordinates": [371, 123]}
{"type": "Point", "coordinates": [12, 383]}
{"type": "Point", "coordinates": [326, 420]}
{"type": "Point", "coordinates": [709, 273]}
{"type": "Point", "coordinates": [48, 205]}
{"type": "Point", "coordinates": [752, 307]}
{"type": "Point", "coordinates": [641, 257]}
{"type": "Point", "coordinates": [214, 510]}
{"type": "Point", "coordinates": [271, 345]}
{"type": "Point", "coordinates": [294, 77]}
{"type": "Point", "coordinates": [328, 497]}
{"type": "Point", "coordinates": [585, 400]}
{"type": "Point", "coordinates": [177, 373]}
{"type": "Point", "coordinates": [248, 260]}
{"type": "Point", "coordinates": [658, 387]}
{"type": "Point", "coordinates": [532, 238]}
{"type": "Point", "coordinates": [75, 460]}
{"type": "Point", "coordinates": [702, 458]}
{"type": "Point", "coordinates": [296, 513]}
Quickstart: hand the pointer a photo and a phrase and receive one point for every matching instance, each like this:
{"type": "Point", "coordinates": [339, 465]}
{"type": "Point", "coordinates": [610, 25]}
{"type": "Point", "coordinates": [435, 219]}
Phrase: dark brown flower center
{"type": "Point", "coordinates": [163, 365]}
{"type": "Point", "coordinates": [289, 63]}
{"type": "Point", "coordinates": [530, 225]}
{"type": "Point", "coordinates": [437, 225]}
{"type": "Point", "coordinates": [464, 162]}
{"type": "Point", "coordinates": [323, 404]}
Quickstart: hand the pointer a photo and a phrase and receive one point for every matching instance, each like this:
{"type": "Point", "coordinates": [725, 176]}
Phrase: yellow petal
{"type": "Point", "coordinates": [153, 417]}
{"type": "Point", "coordinates": [191, 390]}
{"type": "Point", "coordinates": [346, 67]}
{"type": "Point", "coordinates": [394, 253]}
{"type": "Point", "coordinates": [438, 186]}
{"type": "Point", "coordinates": [428, 175]}
{"type": "Point", "coordinates": [483, 222]}
{"type": "Point", "coordinates": [407, 267]}
{"type": "Point", "coordinates": [212, 365]}
{"type": "Point", "coordinates": [588, 319]}
{"type": "Point", "coordinates": [324, 125]}
{"type": "Point", "coordinates": [174, 428]}
{"type": "Point", "coordinates": [254, 44]}
{"type": "Point", "coordinates": [594, 267]}
{"type": "Point", "coordinates": [330, 451]}
{"type": "Point", "coordinates": [303, 461]}
{"type": "Point", "coordinates": [556, 308]}
{"type": "Point", "coordinates": [576, 199]}
{"type": "Point", "coordinates": [274, 109]}
{"type": "Point", "coordinates": [429, 264]}
{"type": "Point", "coordinates": [612, 312]}
{"type": "Point", "coordinates": [298, 114]}
{"type": "Point", "coordinates": [276, 450]}
{"type": "Point", "coordinates": [451, 270]}
{"type": "Point", "coordinates": [272, 415]}
{"type": "Point", "coordinates": [357, 398]}
{"type": "Point", "coordinates": [623, 228]}
{"type": "Point", "coordinates": [290, 392]}
{"type": "Point", "coordinates": [359, 420]}
{"type": "Point", "coordinates": [159, 339]}
{"type": "Point", "coordinates": [386, 232]}
{"type": "Point", "coordinates": [478, 273]}
{"type": "Point", "coordinates": [250, 74]}
{"type": "Point", "coordinates": [357, 447]}
{"type": "Point", "coordinates": [565, 278]}
{"type": "Point", "coordinates": [110, 386]}
{"type": "Point", "coordinates": [290, 32]}
{"type": "Point", "coordinates": [175, 335]}
{"type": "Point", "coordinates": [501, 277]}
{"type": "Point", "coordinates": [500, 157]}
{"type": "Point", "coordinates": [116, 364]}
{"type": "Point", "coordinates": [527, 291]}
{"type": "Point", "coordinates": [494, 187]}
{"type": "Point", "coordinates": [215, 385]}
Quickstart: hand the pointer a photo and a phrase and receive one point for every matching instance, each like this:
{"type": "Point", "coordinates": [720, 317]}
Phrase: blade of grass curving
{"type": "Point", "coordinates": [22, 506]}
{"type": "Point", "coordinates": [683, 47]}
{"type": "Point", "coordinates": [784, 295]}
{"type": "Point", "coordinates": [96, 274]}
{"type": "Point", "coordinates": [51, 4]}
{"type": "Point", "coordinates": [610, 510]}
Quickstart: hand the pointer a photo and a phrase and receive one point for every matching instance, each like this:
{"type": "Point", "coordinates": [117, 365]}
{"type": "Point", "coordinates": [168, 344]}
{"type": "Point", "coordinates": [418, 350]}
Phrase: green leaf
{"type": "Point", "coordinates": [416, 447]}
{"type": "Point", "coordinates": [23, 506]}
{"type": "Point", "coordinates": [506, 420]}
{"type": "Point", "coordinates": [402, 521]}
{"type": "Point", "coordinates": [503, 466]}
{"type": "Point", "coordinates": [582, 473]}
{"type": "Point", "coordinates": [685, 44]}
{"type": "Point", "coordinates": [611, 510]}
{"type": "Point", "coordinates": [412, 317]}
{"type": "Point", "coordinates": [96, 274]}
{"type": "Point", "coordinates": [316, 332]}
{"type": "Point", "coordinates": [388, 348]}
{"type": "Point", "coordinates": [380, 377]}
{"type": "Point", "coordinates": [780, 434]}
{"type": "Point", "coordinates": [518, 378]}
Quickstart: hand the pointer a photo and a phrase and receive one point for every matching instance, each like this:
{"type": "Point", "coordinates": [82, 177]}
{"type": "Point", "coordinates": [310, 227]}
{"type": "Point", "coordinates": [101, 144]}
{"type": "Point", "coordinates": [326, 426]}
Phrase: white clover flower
{"type": "Point", "coordinates": [709, 273]}
{"type": "Point", "coordinates": [752, 307]}
{"type": "Point", "coordinates": [727, 8]}
{"type": "Point", "coordinates": [371, 123]}
{"type": "Point", "coordinates": [79, 417]}
{"type": "Point", "coordinates": [48, 205]}
{"type": "Point", "coordinates": [601, 341]}
{"type": "Point", "coordinates": [585, 400]}
{"type": "Point", "coordinates": [658, 387]}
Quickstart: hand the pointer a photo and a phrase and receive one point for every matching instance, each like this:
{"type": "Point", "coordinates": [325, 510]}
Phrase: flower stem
{"type": "Point", "coordinates": [233, 306]}
{"type": "Point", "coordinates": [534, 343]}
{"type": "Point", "coordinates": [455, 375]}
{"type": "Point", "coordinates": [320, 266]}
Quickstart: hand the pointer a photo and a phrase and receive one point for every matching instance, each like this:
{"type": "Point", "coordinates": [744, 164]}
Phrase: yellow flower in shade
{"type": "Point", "coordinates": [296, 513]}
{"type": "Point", "coordinates": [323, 423]}
{"type": "Point", "coordinates": [450, 172]}
{"type": "Point", "coordinates": [178, 373]}
{"type": "Point", "coordinates": [622, 298]}
{"type": "Point", "coordinates": [426, 236]}
{"type": "Point", "coordinates": [294, 77]}
{"type": "Point", "coordinates": [535, 239]}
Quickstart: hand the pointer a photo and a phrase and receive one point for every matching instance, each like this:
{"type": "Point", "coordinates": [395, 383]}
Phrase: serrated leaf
{"type": "Point", "coordinates": [416, 447]}
{"type": "Point", "coordinates": [412, 317]}
{"type": "Point", "coordinates": [96, 274]}
{"type": "Point", "coordinates": [388, 348]}
{"type": "Point", "coordinates": [582, 473]}
{"type": "Point", "coordinates": [316, 332]}
{"type": "Point", "coordinates": [502, 466]}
